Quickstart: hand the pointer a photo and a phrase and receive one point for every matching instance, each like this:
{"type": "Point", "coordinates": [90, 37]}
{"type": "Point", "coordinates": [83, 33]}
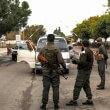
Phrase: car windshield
{"type": "Point", "coordinates": [21, 46]}
{"type": "Point", "coordinates": [58, 42]}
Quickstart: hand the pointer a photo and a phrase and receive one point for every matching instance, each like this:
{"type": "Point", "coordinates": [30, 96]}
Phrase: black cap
{"type": "Point", "coordinates": [50, 37]}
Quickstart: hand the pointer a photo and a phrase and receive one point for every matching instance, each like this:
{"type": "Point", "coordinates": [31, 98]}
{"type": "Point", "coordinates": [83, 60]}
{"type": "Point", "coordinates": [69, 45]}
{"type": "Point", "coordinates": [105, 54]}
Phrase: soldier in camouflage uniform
{"type": "Point", "coordinates": [50, 77]}
{"type": "Point", "coordinates": [84, 67]}
{"type": "Point", "coordinates": [101, 57]}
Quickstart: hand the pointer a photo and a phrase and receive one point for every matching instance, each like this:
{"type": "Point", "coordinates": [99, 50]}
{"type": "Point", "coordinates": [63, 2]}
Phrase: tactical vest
{"type": "Point", "coordinates": [51, 55]}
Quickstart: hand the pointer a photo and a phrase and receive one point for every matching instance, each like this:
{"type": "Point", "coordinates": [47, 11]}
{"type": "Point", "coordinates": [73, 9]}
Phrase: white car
{"type": "Point", "coordinates": [61, 43]}
{"type": "Point", "coordinates": [30, 56]}
{"type": "Point", "coordinates": [22, 53]}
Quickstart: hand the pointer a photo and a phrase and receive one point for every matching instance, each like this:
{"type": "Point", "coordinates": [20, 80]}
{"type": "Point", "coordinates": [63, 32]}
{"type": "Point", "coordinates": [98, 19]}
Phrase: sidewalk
{"type": "Point", "coordinates": [3, 51]}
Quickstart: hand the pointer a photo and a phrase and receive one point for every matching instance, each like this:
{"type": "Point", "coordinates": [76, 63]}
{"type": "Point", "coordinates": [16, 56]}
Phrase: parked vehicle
{"type": "Point", "coordinates": [21, 53]}
{"type": "Point", "coordinates": [61, 43]}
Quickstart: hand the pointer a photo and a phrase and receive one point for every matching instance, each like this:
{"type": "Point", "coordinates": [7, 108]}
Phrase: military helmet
{"type": "Point", "coordinates": [50, 37]}
{"type": "Point", "coordinates": [99, 39]}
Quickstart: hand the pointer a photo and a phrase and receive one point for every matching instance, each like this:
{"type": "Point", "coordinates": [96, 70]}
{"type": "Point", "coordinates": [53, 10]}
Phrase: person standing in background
{"type": "Point", "coordinates": [101, 57]}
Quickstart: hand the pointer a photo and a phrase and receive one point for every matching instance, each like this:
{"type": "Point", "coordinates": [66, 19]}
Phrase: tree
{"type": "Point", "coordinates": [85, 29]}
{"type": "Point", "coordinates": [82, 30]}
{"type": "Point", "coordinates": [35, 31]}
{"type": "Point", "coordinates": [59, 33]}
{"type": "Point", "coordinates": [102, 27]}
{"type": "Point", "coordinates": [109, 3]}
{"type": "Point", "coordinates": [96, 26]}
{"type": "Point", "coordinates": [12, 15]}
{"type": "Point", "coordinates": [93, 21]}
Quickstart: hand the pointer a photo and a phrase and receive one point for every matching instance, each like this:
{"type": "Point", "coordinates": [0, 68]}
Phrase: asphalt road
{"type": "Point", "coordinates": [5, 59]}
{"type": "Point", "coordinates": [20, 90]}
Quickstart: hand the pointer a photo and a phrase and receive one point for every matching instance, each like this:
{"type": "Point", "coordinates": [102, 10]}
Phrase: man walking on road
{"type": "Point", "coordinates": [101, 57]}
{"type": "Point", "coordinates": [84, 67]}
{"type": "Point", "coordinates": [50, 77]}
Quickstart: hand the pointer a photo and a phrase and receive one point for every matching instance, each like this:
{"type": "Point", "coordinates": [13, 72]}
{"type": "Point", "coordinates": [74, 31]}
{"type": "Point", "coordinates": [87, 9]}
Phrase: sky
{"type": "Point", "coordinates": [63, 13]}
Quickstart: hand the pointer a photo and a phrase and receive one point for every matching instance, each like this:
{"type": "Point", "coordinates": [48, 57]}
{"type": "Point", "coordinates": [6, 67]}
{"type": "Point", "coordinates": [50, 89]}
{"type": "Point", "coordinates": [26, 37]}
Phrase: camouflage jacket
{"type": "Point", "coordinates": [53, 55]}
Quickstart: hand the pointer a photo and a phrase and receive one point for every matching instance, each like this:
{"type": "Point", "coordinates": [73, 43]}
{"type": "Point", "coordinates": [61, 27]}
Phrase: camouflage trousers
{"type": "Point", "coordinates": [54, 82]}
{"type": "Point", "coordinates": [101, 71]}
{"type": "Point", "coordinates": [82, 81]}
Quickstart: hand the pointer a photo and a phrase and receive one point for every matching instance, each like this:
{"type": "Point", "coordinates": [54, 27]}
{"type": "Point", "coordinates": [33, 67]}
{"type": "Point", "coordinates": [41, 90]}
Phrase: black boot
{"type": "Point", "coordinates": [100, 88]}
{"type": "Point", "coordinates": [43, 107]}
{"type": "Point", "coordinates": [56, 106]}
{"type": "Point", "coordinates": [72, 103]}
{"type": "Point", "coordinates": [88, 102]}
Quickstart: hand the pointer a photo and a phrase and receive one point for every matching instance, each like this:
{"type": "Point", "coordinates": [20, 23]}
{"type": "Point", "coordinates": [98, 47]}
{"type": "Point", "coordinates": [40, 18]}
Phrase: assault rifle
{"type": "Point", "coordinates": [54, 66]}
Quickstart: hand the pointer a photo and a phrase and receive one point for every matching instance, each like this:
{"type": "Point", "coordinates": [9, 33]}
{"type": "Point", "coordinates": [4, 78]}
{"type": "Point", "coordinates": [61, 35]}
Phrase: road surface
{"type": "Point", "coordinates": [20, 90]}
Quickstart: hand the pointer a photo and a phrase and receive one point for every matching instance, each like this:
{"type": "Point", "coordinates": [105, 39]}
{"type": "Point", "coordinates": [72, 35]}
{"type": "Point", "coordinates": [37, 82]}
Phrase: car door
{"type": "Point", "coordinates": [24, 54]}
